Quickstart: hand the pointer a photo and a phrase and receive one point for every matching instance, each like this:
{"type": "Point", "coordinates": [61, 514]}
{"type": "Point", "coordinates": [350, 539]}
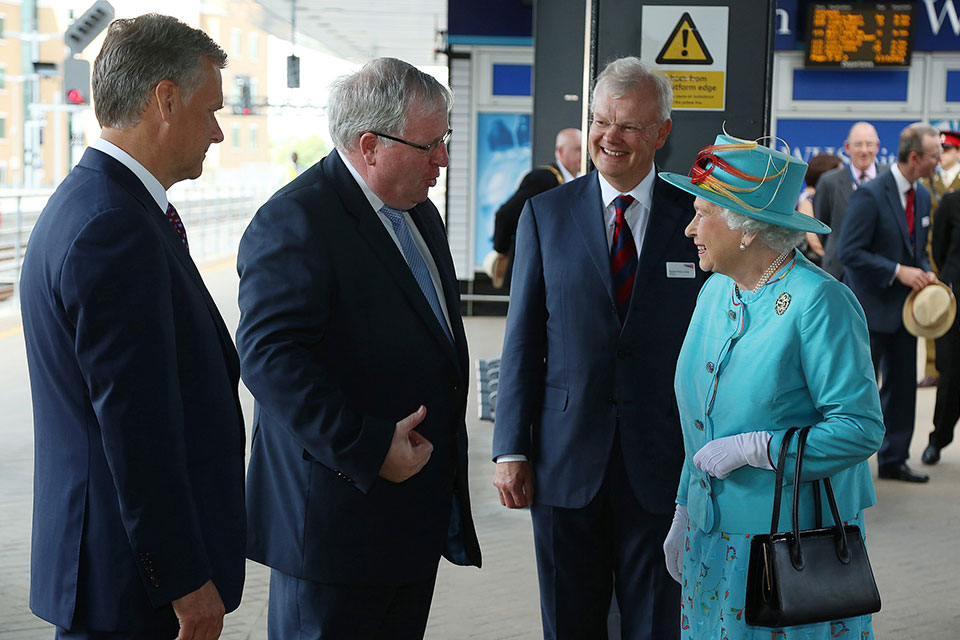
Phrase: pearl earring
{"type": "Point", "coordinates": [743, 247]}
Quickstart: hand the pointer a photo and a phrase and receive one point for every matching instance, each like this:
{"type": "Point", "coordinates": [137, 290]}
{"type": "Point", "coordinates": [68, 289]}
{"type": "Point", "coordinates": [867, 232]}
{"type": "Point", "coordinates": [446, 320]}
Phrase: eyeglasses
{"type": "Point", "coordinates": [423, 147]}
{"type": "Point", "coordinates": [626, 128]}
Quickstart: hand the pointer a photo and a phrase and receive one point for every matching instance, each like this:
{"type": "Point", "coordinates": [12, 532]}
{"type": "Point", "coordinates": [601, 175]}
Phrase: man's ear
{"type": "Point", "coordinates": [369, 145]}
{"type": "Point", "coordinates": [168, 98]}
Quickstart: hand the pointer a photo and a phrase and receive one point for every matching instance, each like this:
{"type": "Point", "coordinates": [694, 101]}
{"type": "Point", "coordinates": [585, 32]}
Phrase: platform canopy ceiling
{"type": "Point", "coordinates": [358, 30]}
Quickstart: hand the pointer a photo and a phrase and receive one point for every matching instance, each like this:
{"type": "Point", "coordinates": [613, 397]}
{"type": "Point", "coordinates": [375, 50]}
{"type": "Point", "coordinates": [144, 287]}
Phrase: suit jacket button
{"type": "Point", "coordinates": [732, 315]}
{"type": "Point", "coordinates": [709, 367]}
{"type": "Point", "coordinates": [612, 401]}
{"type": "Point", "coordinates": [698, 425]}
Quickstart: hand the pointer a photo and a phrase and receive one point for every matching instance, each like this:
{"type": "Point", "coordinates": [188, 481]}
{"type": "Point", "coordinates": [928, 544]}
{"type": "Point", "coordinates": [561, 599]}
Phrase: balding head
{"type": "Point", "coordinates": [568, 149]}
{"type": "Point", "coordinates": [862, 145]}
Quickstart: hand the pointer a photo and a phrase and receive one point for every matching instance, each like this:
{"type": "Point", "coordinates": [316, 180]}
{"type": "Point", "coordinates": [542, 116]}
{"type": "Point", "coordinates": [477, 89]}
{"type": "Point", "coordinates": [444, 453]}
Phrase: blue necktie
{"type": "Point", "coordinates": [417, 264]}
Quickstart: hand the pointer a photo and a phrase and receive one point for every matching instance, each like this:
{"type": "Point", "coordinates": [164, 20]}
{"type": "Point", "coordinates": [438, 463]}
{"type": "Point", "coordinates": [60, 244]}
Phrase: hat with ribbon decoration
{"type": "Point", "coordinates": [949, 138]}
{"type": "Point", "coordinates": [746, 177]}
{"type": "Point", "coordinates": [929, 313]}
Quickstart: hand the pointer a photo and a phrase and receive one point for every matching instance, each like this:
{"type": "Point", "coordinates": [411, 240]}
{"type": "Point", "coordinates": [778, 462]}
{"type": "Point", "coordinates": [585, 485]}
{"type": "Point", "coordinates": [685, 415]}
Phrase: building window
{"type": "Point", "coordinates": [236, 42]}
{"type": "Point", "coordinates": [3, 128]}
{"type": "Point", "coordinates": [3, 77]}
{"type": "Point", "coordinates": [254, 86]}
{"type": "Point", "coordinates": [3, 25]}
{"type": "Point", "coordinates": [253, 138]}
{"type": "Point", "coordinates": [235, 137]}
{"type": "Point", "coordinates": [254, 46]}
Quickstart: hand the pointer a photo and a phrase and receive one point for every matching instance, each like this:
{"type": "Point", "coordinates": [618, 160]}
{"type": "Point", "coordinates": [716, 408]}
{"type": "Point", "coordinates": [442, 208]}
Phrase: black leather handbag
{"type": "Point", "coordinates": [816, 575]}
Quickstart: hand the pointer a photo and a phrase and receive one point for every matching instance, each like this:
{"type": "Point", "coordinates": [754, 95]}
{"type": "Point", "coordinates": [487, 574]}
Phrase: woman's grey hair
{"type": "Point", "coordinates": [623, 75]}
{"type": "Point", "coordinates": [911, 139]}
{"type": "Point", "coordinates": [137, 55]}
{"type": "Point", "coordinates": [780, 239]}
{"type": "Point", "coordinates": [381, 96]}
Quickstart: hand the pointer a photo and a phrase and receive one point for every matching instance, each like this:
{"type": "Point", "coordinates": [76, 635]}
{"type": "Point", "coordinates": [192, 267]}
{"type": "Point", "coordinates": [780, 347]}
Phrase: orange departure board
{"type": "Point", "coordinates": [859, 35]}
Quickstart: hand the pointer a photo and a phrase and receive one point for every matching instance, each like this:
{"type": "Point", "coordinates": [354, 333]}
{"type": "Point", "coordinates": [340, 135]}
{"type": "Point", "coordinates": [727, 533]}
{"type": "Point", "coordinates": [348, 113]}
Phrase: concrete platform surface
{"type": "Point", "coordinates": [913, 533]}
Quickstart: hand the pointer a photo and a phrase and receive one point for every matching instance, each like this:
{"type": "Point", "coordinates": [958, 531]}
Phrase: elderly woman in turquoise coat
{"type": "Point", "coordinates": [774, 343]}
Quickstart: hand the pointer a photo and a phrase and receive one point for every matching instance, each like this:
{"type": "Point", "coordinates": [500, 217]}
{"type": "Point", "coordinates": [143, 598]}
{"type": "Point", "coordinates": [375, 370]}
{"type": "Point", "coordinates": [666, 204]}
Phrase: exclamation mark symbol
{"type": "Point", "coordinates": [685, 35]}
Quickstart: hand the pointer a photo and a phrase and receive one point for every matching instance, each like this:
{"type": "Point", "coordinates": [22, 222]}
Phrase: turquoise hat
{"type": "Point", "coordinates": [757, 181]}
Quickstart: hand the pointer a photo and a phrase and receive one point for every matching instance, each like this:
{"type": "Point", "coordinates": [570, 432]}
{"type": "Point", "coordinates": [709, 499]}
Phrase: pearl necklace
{"type": "Point", "coordinates": [772, 269]}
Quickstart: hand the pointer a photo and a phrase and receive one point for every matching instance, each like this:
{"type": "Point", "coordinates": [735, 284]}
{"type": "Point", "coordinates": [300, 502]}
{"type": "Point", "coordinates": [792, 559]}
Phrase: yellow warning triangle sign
{"type": "Point", "coordinates": [685, 46]}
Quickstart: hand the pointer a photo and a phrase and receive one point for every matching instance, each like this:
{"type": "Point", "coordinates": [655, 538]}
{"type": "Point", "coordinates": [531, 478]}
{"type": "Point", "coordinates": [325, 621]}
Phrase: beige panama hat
{"type": "Point", "coordinates": [929, 313]}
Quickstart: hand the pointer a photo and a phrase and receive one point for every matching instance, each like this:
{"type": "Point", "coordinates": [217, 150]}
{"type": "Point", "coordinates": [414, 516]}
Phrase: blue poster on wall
{"type": "Point", "coordinates": [503, 158]}
{"type": "Point", "coordinates": [807, 138]}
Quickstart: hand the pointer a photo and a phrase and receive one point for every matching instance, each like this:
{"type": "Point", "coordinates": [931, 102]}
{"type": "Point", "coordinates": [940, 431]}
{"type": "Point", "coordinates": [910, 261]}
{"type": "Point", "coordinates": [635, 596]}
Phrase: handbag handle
{"type": "Point", "coordinates": [796, 553]}
{"type": "Point", "coordinates": [778, 486]}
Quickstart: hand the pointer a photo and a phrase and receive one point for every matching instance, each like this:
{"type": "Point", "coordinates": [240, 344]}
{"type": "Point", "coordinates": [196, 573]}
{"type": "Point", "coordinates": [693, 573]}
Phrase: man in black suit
{"type": "Point", "coordinates": [567, 155]}
{"type": "Point", "coordinates": [138, 524]}
{"type": "Point", "coordinates": [587, 431]}
{"type": "Point", "coordinates": [835, 187]}
{"type": "Point", "coordinates": [351, 342]}
{"type": "Point", "coordinates": [883, 246]}
{"type": "Point", "coordinates": [946, 253]}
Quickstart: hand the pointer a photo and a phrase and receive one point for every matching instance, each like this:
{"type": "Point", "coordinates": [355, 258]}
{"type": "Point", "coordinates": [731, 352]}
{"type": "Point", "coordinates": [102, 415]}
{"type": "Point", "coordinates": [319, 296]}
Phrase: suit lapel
{"type": "Point", "coordinates": [661, 228]}
{"type": "Point", "coordinates": [120, 174]}
{"type": "Point", "coordinates": [586, 209]}
{"type": "Point", "coordinates": [436, 240]}
{"type": "Point", "coordinates": [371, 229]}
{"type": "Point", "coordinates": [896, 210]}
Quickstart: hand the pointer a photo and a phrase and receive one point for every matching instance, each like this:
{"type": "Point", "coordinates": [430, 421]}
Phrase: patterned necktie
{"type": "Point", "coordinates": [911, 198]}
{"type": "Point", "coordinates": [174, 219]}
{"type": "Point", "coordinates": [623, 258]}
{"type": "Point", "coordinates": [417, 264]}
{"type": "Point", "coordinates": [864, 178]}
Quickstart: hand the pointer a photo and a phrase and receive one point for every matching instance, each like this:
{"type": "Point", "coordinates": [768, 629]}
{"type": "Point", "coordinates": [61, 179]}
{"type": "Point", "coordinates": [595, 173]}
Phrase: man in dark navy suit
{"type": "Point", "coordinates": [351, 342]}
{"type": "Point", "coordinates": [138, 521]}
{"type": "Point", "coordinates": [883, 246]}
{"type": "Point", "coordinates": [587, 430]}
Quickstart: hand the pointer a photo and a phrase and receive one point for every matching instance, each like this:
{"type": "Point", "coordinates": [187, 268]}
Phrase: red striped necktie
{"type": "Point", "coordinates": [174, 219]}
{"type": "Point", "coordinates": [623, 258]}
{"type": "Point", "coordinates": [911, 198]}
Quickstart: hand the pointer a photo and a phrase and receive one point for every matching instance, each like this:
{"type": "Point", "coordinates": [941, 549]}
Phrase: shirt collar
{"type": "Point", "coordinates": [153, 186]}
{"type": "Point", "coordinates": [567, 176]}
{"type": "Point", "coordinates": [870, 173]}
{"type": "Point", "coordinates": [371, 197]}
{"type": "Point", "coordinates": [642, 193]}
{"type": "Point", "coordinates": [902, 183]}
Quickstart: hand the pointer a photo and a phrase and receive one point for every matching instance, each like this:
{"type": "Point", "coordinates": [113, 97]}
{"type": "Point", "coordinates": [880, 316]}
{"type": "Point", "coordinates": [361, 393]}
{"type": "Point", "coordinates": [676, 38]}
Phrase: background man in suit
{"type": "Point", "coordinates": [566, 167]}
{"type": "Point", "coordinates": [946, 253]}
{"type": "Point", "coordinates": [834, 188]}
{"type": "Point", "coordinates": [139, 521]}
{"type": "Point", "coordinates": [883, 245]}
{"type": "Point", "coordinates": [351, 341]}
{"type": "Point", "coordinates": [944, 181]}
{"type": "Point", "coordinates": [586, 430]}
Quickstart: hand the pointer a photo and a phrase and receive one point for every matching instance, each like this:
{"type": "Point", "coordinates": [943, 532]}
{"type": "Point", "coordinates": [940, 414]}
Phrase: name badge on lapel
{"type": "Point", "coordinates": [925, 221]}
{"type": "Point", "coordinates": [681, 270]}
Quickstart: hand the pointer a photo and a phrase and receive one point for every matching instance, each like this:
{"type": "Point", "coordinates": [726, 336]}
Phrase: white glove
{"type": "Point", "coordinates": [722, 456]}
{"type": "Point", "coordinates": [673, 544]}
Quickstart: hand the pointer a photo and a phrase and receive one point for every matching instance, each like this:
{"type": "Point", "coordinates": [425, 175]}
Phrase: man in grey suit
{"type": "Point", "coordinates": [835, 186]}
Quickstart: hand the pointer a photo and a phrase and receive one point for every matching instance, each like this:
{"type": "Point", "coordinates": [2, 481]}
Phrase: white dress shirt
{"type": "Point", "coordinates": [637, 214]}
{"type": "Point", "coordinates": [152, 185]}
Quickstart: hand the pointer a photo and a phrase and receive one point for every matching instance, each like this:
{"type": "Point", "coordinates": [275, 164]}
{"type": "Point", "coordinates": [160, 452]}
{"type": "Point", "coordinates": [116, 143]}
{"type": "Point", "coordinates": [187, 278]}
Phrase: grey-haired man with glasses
{"type": "Point", "coordinates": [351, 342]}
{"type": "Point", "coordinates": [587, 432]}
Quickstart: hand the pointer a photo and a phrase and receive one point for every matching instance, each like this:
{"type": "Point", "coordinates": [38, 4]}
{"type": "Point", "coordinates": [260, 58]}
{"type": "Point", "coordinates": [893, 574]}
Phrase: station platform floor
{"type": "Point", "coordinates": [913, 532]}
